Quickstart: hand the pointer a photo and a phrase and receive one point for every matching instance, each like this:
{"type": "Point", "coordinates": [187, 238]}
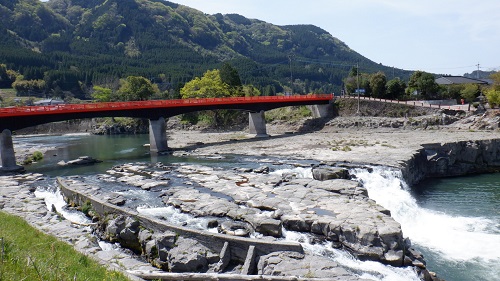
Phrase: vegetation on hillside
{"type": "Point", "coordinates": [74, 45]}
{"type": "Point", "coordinates": [112, 50]}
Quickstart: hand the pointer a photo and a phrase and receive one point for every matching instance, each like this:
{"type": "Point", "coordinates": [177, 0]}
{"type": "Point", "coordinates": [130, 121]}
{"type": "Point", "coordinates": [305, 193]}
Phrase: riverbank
{"type": "Point", "coordinates": [364, 145]}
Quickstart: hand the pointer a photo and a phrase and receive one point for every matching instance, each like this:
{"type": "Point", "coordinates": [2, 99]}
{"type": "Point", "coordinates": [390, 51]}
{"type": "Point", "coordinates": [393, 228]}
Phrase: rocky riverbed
{"type": "Point", "coordinates": [338, 210]}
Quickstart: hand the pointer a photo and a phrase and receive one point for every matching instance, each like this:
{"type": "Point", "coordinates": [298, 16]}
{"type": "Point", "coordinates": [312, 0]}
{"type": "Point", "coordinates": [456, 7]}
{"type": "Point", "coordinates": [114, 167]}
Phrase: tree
{"type": "Point", "coordinates": [211, 85]}
{"type": "Point", "coordinates": [493, 96]}
{"type": "Point", "coordinates": [470, 92]}
{"type": "Point", "coordinates": [7, 76]}
{"type": "Point", "coordinates": [29, 87]}
{"type": "Point", "coordinates": [102, 94]}
{"type": "Point", "coordinates": [424, 84]}
{"type": "Point", "coordinates": [493, 92]}
{"type": "Point", "coordinates": [378, 83]}
{"type": "Point", "coordinates": [230, 76]}
{"type": "Point", "coordinates": [395, 88]}
{"type": "Point", "coordinates": [208, 86]}
{"type": "Point", "coordinates": [250, 91]}
{"type": "Point", "coordinates": [136, 88]}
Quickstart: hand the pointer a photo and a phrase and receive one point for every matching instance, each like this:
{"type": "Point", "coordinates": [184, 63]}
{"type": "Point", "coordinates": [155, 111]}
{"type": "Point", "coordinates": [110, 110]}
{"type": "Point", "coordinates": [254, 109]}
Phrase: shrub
{"type": "Point", "coordinates": [37, 156]}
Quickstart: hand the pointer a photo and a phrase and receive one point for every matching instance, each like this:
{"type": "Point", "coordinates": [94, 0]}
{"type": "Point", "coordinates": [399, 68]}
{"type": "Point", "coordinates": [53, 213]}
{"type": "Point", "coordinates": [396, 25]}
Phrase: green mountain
{"type": "Point", "coordinates": [73, 44]}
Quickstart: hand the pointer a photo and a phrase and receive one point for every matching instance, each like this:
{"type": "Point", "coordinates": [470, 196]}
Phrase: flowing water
{"type": "Point", "coordinates": [454, 222]}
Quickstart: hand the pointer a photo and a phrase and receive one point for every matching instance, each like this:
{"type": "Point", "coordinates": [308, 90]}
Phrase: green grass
{"type": "Point", "coordinates": [29, 254]}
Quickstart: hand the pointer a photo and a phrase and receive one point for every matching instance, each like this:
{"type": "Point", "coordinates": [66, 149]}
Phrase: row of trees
{"type": "Point", "coordinates": [421, 85]}
{"type": "Point", "coordinates": [226, 82]}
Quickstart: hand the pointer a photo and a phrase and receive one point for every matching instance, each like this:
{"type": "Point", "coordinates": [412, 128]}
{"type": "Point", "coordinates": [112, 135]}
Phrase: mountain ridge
{"type": "Point", "coordinates": [101, 39]}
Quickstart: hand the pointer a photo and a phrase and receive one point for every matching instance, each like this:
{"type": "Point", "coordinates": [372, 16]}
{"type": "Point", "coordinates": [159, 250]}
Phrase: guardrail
{"type": "Point", "coordinates": [464, 107]}
{"type": "Point", "coordinates": [101, 106]}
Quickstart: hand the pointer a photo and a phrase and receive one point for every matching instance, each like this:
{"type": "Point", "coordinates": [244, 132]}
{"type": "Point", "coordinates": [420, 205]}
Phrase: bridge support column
{"type": "Point", "coordinates": [157, 135]}
{"type": "Point", "coordinates": [321, 110]}
{"type": "Point", "coordinates": [7, 155]}
{"type": "Point", "coordinates": [257, 124]}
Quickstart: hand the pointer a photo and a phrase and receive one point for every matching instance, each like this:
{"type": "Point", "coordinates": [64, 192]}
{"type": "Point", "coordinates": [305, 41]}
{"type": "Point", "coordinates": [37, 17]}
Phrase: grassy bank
{"type": "Point", "coordinates": [28, 254]}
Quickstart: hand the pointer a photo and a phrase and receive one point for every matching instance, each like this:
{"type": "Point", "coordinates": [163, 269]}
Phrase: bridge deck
{"type": "Point", "coordinates": [152, 104]}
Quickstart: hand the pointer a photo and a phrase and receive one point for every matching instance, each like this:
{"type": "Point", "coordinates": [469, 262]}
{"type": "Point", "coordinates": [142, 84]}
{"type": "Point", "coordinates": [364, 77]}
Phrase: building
{"type": "Point", "coordinates": [459, 80]}
{"type": "Point", "coordinates": [48, 102]}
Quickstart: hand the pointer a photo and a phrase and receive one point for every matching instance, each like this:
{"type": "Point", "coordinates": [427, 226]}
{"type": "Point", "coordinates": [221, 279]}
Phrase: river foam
{"type": "Point", "coordinates": [55, 198]}
{"type": "Point", "coordinates": [369, 270]}
{"type": "Point", "coordinates": [457, 239]}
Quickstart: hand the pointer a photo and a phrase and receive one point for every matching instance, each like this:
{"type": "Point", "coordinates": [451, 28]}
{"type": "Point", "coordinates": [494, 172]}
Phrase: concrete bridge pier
{"type": "Point", "coordinates": [321, 110]}
{"type": "Point", "coordinates": [157, 135]}
{"type": "Point", "coordinates": [7, 154]}
{"type": "Point", "coordinates": [257, 124]}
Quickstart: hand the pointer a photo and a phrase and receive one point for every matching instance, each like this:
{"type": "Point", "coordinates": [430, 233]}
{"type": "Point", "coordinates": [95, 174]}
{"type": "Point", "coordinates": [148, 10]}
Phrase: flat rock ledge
{"type": "Point", "coordinates": [336, 211]}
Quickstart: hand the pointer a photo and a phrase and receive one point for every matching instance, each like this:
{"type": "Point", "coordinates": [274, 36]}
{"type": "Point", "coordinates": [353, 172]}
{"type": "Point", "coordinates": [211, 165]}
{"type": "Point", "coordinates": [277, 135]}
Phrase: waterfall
{"type": "Point", "coordinates": [455, 239]}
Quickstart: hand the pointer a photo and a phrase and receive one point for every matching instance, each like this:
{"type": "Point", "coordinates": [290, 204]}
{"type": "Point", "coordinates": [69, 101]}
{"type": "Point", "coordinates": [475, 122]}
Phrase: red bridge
{"type": "Point", "coordinates": [15, 118]}
{"type": "Point", "coordinates": [156, 111]}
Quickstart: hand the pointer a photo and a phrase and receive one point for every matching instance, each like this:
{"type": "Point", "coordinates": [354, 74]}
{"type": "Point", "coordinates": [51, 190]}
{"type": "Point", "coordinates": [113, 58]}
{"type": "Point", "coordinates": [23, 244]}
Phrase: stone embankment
{"type": "Point", "coordinates": [452, 159]}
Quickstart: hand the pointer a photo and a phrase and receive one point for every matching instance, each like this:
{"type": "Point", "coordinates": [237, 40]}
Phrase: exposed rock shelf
{"type": "Point", "coordinates": [337, 210]}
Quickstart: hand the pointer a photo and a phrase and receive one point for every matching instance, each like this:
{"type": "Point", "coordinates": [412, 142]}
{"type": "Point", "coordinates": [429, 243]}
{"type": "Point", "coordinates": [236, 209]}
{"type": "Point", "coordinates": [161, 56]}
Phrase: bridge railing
{"type": "Point", "coordinates": [99, 106]}
{"type": "Point", "coordinates": [414, 103]}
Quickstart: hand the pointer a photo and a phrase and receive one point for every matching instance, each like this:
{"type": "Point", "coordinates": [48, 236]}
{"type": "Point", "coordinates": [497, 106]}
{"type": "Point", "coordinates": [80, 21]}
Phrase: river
{"type": "Point", "coordinates": [454, 222]}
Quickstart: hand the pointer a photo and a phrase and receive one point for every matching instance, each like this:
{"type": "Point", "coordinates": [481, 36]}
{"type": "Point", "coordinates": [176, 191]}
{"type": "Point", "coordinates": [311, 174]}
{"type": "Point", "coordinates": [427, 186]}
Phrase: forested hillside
{"type": "Point", "coordinates": [73, 45]}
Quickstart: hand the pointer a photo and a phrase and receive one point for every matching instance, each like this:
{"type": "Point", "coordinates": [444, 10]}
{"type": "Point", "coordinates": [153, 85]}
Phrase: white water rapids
{"type": "Point", "coordinates": [55, 198]}
{"type": "Point", "coordinates": [455, 239]}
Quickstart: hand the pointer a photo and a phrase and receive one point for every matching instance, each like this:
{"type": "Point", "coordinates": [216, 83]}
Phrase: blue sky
{"type": "Point", "coordinates": [438, 36]}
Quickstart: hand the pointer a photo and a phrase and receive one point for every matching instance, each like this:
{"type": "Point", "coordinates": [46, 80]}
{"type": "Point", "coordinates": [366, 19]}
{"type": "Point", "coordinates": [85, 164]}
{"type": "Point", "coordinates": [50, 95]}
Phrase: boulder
{"type": "Point", "coordinates": [82, 160]}
{"type": "Point", "coordinates": [188, 256]}
{"type": "Point", "coordinates": [329, 173]}
{"type": "Point", "coordinates": [117, 199]}
{"type": "Point", "coordinates": [114, 227]}
{"type": "Point", "coordinates": [262, 170]}
{"type": "Point", "coordinates": [266, 226]}
{"type": "Point", "coordinates": [129, 235]}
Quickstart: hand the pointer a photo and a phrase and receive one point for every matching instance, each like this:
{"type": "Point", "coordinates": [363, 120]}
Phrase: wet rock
{"type": "Point", "coordinates": [394, 258]}
{"type": "Point", "coordinates": [163, 243]}
{"type": "Point", "coordinates": [340, 186]}
{"type": "Point", "coordinates": [129, 235]}
{"type": "Point", "coordinates": [296, 223]}
{"type": "Point", "coordinates": [262, 170]}
{"type": "Point", "coordinates": [188, 256]}
{"type": "Point", "coordinates": [212, 224]}
{"type": "Point", "coordinates": [266, 226]}
{"type": "Point", "coordinates": [113, 228]}
{"type": "Point", "coordinates": [324, 173]}
{"type": "Point", "coordinates": [294, 264]}
{"type": "Point", "coordinates": [235, 228]}
{"type": "Point", "coordinates": [117, 199]}
{"type": "Point", "coordinates": [82, 160]}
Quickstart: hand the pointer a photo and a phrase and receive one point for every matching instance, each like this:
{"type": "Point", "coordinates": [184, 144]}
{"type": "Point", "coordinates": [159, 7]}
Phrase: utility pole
{"type": "Point", "coordinates": [477, 74]}
{"type": "Point", "coordinates": [357, 87]}
{"type": "Point", "coordinates": [291, 74]}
